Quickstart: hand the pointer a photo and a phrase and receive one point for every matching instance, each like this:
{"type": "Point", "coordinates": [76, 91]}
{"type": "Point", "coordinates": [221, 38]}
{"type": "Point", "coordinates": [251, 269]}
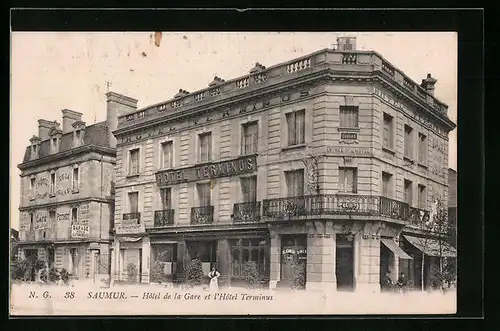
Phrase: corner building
{"type": "Point", "coordinates": [320, 162]}
{"type": "Point", "coordinates": [67, 194]}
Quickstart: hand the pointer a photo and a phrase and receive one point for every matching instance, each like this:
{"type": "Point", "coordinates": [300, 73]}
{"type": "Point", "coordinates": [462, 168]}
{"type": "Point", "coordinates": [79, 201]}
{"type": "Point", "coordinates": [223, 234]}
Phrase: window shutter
{"type": "Point", "coordinates": [291, 128]}
{"type": "Point", "coordinates": [342, 180]}
{"type": "Point", "coordinates": [301, 127]}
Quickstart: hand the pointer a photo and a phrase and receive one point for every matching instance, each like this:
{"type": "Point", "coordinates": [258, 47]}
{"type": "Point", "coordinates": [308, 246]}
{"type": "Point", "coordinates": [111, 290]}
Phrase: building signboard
{"type": "Point", "coordinates": [349, 151]}
{"type": "Point", "coordinates": [349, 135]}
{"type": "Point", "coordinates": [235, 167]}
{"type": "Point", "coordinates": [130, 228]}
{"type": "Point", "coordinates": [42, 221]}
{"type": "Point", "coordinates": [80, 231]}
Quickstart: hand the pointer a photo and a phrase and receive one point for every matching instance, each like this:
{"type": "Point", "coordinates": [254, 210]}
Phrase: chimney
{"type": "Point", "coordinates": [346, 43]}
{"type": "Point", "coordinates": [69, 117]}
{"type": "Point", "coordinates": [428, 84]}
{"type": "Point", "coordinates": [117, 105]}
{"type": "Point", "coordinates": [44, 127]}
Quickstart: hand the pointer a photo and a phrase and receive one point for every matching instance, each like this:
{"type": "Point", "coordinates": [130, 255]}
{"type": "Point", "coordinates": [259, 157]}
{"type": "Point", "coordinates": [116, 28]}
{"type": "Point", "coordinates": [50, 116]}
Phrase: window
{"type": "Point", "coordinates": [205, 147]}
{"type": "Point", "coordinates": [422, 148]}
{"type": "Point", "coordinates": [166, 155]}
{"type": "Point", "coordinates": [386, 184]}
{"type": "Point", "coordinates": [408, 152]}
{"type": "Point", "coordinates": [78, 138]}
{"type": "Point", "coordinates": [134, 162]}
{"type": "Point", "coordinates": [296, 127]}
{"type": "Point", "coordinates": [74, 215]}
{"type": "Point", "coordinates": [32, 219]}
{"type": "Point", "coordinates": [52, 183]}
{"type": "Point", "coordinates": [349, 116]}
{"type": "Point", "coordinates": [34, 150]}
{"type": "Point", "coordinates": [388, 132]}
{"type": "Point", "coordinates": [348, 180]}
{"type": "Point", "coordinates": [54, 144]}
{"type": "Point", "coordinates": [249, 188]}
{"type": "Point", "coordinates": [76, 183]}
{"type": "Point", "coordinates": [249, 142]}
{"type": "Point", "coordinates": [32, 186]}
{"type": "Point", "coordinates": [133, 199]}
{"type": "Point", "coordinates": [422, 196]}
{"type": "Point", "coordinates": [52, 219]}
{"type": "Point", "coordinates": [295, 183]}
{"type": "Point", "coordinates": [408, 196]}
{"type": "Point", "coordinates": [166, 198]}
{"type": "Point", "coordinates": [204, 194]}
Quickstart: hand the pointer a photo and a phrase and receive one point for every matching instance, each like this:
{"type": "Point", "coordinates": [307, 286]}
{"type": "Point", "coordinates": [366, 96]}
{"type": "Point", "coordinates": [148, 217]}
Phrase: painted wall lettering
{"type": "Point", "coordinates": [349, 151]}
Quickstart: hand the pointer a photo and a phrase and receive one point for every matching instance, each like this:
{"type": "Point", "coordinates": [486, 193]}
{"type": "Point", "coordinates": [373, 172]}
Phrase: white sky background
{"type": "Point", "coordinates": [54, 71]}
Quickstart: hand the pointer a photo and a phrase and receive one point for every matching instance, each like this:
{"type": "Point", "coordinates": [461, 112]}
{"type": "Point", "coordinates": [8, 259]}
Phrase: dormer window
{"type": "Point", "coordinates": [55, 144]}
{"type": "Point", "coordinates": [78, 133]}
{"type": "Point", "coordinates": [78, 138]}
{"type": "Point", "coordinates": [34, 151]}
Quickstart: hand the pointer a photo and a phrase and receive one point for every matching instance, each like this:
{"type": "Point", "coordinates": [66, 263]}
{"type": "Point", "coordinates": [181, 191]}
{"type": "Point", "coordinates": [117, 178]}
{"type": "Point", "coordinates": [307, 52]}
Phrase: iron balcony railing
{"type": "Point", "coordinates": [132, 216]}
{"type": "Point", "coordinates": [246, 211]}
{"type": "Point", "coordinates": [164, 217]}
{"type": "Point", "coordinates": [338, 204]}
{"type": "Point", "coordinates": [202, 215]}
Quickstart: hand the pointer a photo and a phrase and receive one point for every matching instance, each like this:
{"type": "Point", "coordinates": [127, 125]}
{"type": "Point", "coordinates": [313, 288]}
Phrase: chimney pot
{"type": "Point", "coordinates": [117, 105]}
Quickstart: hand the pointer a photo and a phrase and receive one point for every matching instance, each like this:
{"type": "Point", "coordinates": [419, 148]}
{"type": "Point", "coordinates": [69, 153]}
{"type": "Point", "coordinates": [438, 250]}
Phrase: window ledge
{"type": "Point", "coordinates": [52, 195]}
{"type": "Point", "coordinates": [76, 191]}
{"type": "Point", "coordinates": [423, 165]}
{"type": "Point", "coordinates": [292, 147]}
{"type": "Point", "coordinates": [389, 150]}
{"type": "Point", "coordinates": [132, 175]}
{"type": "Point", "coordinates": [409, 159]}
{"type": "Point", "coordinates": [348, 129]}
{"type": "Point", "coordinates": [347, 193]}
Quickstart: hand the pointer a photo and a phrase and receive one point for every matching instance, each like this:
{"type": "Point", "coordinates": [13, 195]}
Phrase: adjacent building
{"type": "Point", "coordinates": [67, 193]}
{"type": "Point", "coordinates": [317, 163]}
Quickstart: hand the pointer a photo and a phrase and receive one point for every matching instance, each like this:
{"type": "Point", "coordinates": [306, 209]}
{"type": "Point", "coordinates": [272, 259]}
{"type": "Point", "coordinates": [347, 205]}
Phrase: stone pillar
{"type": "Point", "coordinates": [321, 262]}
{"type": "Point", "coordinates": [115, 262]}
{"type": "Point", "coordinates": [275, 256]}
{"type": "Point", "coordinates": [223, 259]}
{"type": "Point", "coordinates": [146, 257]}
{"type": "Point", "coordinates": [394, 267]}
{"type": "Point", "coordinates": [368, 275]}
{"type": "Point", "coordinates": [181, 257]}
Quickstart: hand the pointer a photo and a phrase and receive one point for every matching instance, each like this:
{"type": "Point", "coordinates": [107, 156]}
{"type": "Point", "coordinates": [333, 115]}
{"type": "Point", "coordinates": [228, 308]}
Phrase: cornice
{"type": "Point", "coordinates": [66, 202]}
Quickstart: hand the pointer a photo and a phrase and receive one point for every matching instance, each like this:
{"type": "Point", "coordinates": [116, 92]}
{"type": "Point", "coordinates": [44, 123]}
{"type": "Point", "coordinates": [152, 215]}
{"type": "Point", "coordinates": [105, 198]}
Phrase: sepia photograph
{"type": "Point", "coordinates": [233, 173]}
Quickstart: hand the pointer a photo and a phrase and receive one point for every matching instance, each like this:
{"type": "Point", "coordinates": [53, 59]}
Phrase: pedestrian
{"type": "Point", "coordinates": [402, 282]}
{"type": "Point", "coordinates": [387, 282]}
{"type": "Point", "coordinates": [214, 275]}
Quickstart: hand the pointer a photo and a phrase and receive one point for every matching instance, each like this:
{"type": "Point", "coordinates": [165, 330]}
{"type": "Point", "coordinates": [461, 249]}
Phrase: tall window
{"type": "Point", "coordinates": [205, 147]}
{"type": "Point", "coordinates": [134, 162]}
{"type": "Point", "coordinates": [52, 218]}
{"type": "Point", "coordinates": [408, 196]}
{"type": "Point", "coordinates": [133, 199]}
{"type": "Point", "coordinates": [166, 198]}
{"type": "Point", "coordinates": [422, 196]}
{"type": "Point", "coordinates": [52, 183]}
{"type": "Point", "coordinates": [74, 215]}
{"type": "Point", "coordinates": [296, 127]}
{"type": "Point", "coordinates": [422, 148]}
{"type": "Point", "coordinates": [78, 138]}
{"type": "Point", "coordinates": [166, 155]}
{"type": "Point", "coordinates": [204, 194]}
{"type": "Point", "coordinates": [408, 152]}
{"type": "Point", "coordinates": [76, 179]}
{"type": "Point", "coordinates": [348, 180]}
{"type": "Point", "coordinates": [54, 144]}
{"type": "Point", "coordinates": [349, 116]}
{"type": "Point", "coordinates": [386, 184]}
{"type": "Point", "coordinates": [249, 142]}
{"type": "Point", "coordinates": [249, 188]}
{"type": "Point", "coordinates": [32, 219]}
{"type": "Point", "coordinates": [32, 186]}
{"type": "Point", "coordinates": [388, 131]}
{"type": "Point", "coordinates": [295, 183]}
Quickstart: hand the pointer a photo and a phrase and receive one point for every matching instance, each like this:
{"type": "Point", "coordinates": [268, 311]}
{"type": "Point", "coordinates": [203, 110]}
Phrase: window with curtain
{"type": "Point", "coordinates": [76, 179]}
{"type": "Point", "coordinates": [249, 188]}
{"type": "Point", "coordinates": [388, 132]}
{"type": "Point", "coordinates": [166, 198]}
{"type": "Point", "coordinates": [386, 184]}
{"type": "Point", "coordinates": [296, 127]}
{"type": "Point", "coordinates": [422, 196]}
{"type": "Point", "coordinates": [74, 215]}
{"type": "Point", "coordinates": [204, 194]}
{"type": "Point", "coordinates": [422, 148]}
{"type": "Point", "coordinates": [133, 199]}
{"type": "Point", "coordinates": [348, 180]}
{"type": "Point", "coordinates": [166, 155]}
{"type": "Point", "coordinates": [349, 116]}
{"type": "Point", "coordinates": [205, 147]}
{"type": "Point", "coordinates": [408, 152]}
{"type": "Point", "coordinates": [408, 197]}
{"type": "Point", "coordinates": [295, 183]}
{"type": "Point", "coordinates": [32, 185]}
{"type": "Point", "coordinates": [134, 161]}
{"type": "Point", "coordinates": [52, 183]}
{"type": "Point", "coordinates": [249, 142]}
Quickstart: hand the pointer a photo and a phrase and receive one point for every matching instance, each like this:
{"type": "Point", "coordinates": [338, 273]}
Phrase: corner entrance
{"type": "Point", "coordinates": [344, 263]}
{"type": "Point", "coordinates": [293, 259]}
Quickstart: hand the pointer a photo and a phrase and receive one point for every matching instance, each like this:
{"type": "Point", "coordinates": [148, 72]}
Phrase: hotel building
{"type": "Point", "coordinates": [67, 193]}
{"type": "Point", "coordinates": [320, 162]}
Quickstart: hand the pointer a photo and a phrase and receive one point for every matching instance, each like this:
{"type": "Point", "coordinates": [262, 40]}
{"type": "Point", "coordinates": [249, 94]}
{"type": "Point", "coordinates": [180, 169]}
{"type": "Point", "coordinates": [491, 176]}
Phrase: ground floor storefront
{"type": "Point", "coordinates": [82, 260]}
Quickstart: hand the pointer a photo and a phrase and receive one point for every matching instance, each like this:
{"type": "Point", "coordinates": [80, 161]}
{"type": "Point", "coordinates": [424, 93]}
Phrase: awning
{"type": "Point", "coordinates": [431, 247]}
{"type": "Point", "coordinates": [389, 243]}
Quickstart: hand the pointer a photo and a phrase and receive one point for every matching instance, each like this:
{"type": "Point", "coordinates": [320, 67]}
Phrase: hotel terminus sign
{"type": "Point", "coordinates": [235, 167]}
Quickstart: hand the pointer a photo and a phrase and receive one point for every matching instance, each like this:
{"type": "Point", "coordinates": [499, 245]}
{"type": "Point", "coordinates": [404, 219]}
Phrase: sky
{"type": "Point", "coordinates": [51, 71]}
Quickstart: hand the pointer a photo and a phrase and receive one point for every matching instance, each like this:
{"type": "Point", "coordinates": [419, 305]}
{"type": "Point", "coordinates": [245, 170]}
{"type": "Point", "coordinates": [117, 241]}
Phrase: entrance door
{"type": "Point", "coordinates": [51, 257]}
{"type": "Point", "coordinates": [32, 255]}
{"type": "Point", "coordinates": [344, 263]}
{"type": "Point", "coordinates": [293, 254]}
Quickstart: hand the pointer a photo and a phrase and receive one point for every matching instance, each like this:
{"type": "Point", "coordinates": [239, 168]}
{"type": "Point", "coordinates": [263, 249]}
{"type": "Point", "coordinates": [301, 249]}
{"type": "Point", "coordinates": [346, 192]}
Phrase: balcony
{"type": "Point", "coordinates": [164, 217]}
{"type": "Point", "coordinates": [202, 215]}
{"type": "Point", "coordinates": [132, 217]}
{"type": "Point", "coordinates": [246, 211]}
{"type": "Point", "coordinates": [338, 204]}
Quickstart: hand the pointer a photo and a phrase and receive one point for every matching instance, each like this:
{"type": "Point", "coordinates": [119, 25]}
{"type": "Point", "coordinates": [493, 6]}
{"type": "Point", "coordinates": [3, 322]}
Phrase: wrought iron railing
{"type": "Point", "coordinates": [246, 211]}
{"type": "Point", "coordinates": [202, 215]}
{"type": "Point", "coordinates": [338, 204]}
{"type": "Point", "coordinates": [164, 217]}
{"type": "Point", "coordinates": [132, 216]}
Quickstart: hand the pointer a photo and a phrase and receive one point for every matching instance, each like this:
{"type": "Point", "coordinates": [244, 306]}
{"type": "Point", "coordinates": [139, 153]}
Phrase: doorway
{"type": "Point", "coordinates": [293, 255]}
{"type": "Point", "coordinates": [344, 262]}
{"type": "Point", "coordinates": [32, 255]}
